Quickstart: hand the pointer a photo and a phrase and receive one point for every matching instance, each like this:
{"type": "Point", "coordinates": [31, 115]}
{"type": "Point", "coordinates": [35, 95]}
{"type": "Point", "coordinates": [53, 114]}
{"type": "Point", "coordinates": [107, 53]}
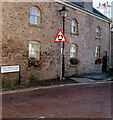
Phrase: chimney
{"type": "Point", "coordinates": [104, 4]}
{"type": "Point", "coordinates": [88, 6]}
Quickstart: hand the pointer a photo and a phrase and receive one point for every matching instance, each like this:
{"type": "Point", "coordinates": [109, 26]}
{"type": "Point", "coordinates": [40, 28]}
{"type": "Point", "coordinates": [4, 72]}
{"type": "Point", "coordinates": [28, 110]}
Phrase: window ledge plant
{"type": "Point", "coordinates": [34, 63]}
{"type": "Point", "coordinates": [74, 61]}
{"type": "Point", "coordinates": [98, 61]}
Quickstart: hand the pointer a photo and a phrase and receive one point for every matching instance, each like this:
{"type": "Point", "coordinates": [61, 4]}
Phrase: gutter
{"type": "Point", "coordinates": [66, 3]}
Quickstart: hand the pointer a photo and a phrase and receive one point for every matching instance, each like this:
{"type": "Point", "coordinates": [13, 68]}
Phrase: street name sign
{"type": "Point", "coordinates": [60, 37]}
{"type": "Point", "coordinates": [8, 69]}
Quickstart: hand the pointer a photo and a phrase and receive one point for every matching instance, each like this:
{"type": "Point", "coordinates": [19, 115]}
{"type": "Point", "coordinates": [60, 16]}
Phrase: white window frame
{"type": "Point", "coordinates": [97, 52]}
{"type": "Point", "coordinates": [35, 15]}
{"type": "Point", "coordinates": [74, 27]}
{"type": "Point", "coordinates": [34, 49]}
{"type": "Point", "coordinates": [98, 32]}
{"type": "Point", "coordinates": [73, 51]}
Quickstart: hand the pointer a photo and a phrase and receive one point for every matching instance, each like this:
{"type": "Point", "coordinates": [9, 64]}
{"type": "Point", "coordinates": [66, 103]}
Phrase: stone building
{"type": "Point", "coordinates": [111, 30]}
{"type": "Point", "coordinates": [29, 29]}
{"type": "Point", "coordinates": [105, 8]}
{"type": "Point", "coordinates": [112, 49]}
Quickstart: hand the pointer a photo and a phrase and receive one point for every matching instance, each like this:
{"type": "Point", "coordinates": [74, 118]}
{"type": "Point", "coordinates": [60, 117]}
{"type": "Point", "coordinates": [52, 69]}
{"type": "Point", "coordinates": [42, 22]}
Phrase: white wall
{"type": "Point", "coordinates": [112, 10]}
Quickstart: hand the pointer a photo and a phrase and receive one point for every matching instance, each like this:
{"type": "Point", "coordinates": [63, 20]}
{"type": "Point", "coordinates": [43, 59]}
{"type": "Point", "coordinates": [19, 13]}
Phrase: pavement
{"type": "Point", "coordinates": [92, 78]}
{"type": "Point", "coordinates": [82, 80]}
{"type": "Point", "coordinates": [86, 79]}
{"type": "Point", "coordinates": [97, 76]}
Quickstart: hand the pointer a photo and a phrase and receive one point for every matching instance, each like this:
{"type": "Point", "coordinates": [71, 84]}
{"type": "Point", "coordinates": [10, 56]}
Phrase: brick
{"type": "Point", "coordinates": [17, 33]}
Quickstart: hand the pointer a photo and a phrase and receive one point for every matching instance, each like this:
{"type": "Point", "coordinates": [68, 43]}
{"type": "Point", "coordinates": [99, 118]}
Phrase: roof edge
{"type": "Point", "coordinates": [67, 3]}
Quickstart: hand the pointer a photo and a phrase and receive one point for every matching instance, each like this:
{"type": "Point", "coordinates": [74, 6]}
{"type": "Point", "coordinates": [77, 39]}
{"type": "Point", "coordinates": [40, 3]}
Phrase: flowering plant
{"type": "Point", "coordinates": [33, 62]}
{"type": "Point", "coordinates": [98, 61]}
{"type": "Point", "coordinates": [74, 61]}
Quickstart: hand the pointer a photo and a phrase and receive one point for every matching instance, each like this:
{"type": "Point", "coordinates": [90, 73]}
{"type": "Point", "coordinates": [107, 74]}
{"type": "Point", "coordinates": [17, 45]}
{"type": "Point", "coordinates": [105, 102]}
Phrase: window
{"type": "Point", "coordinates": [98, 32]}
{"type": "Point", "coordinates": [97, 52]}
{"type": "Point", "coordinates": [34, 49]}
{"type": "Point", "coordinates": [98, 59]}
{"type": "Point", "coordinates": [73, 51]}
{"type": "Point", "coordinates": [34, 15]}
{"type": "Point", "coordinates": [74, 27]}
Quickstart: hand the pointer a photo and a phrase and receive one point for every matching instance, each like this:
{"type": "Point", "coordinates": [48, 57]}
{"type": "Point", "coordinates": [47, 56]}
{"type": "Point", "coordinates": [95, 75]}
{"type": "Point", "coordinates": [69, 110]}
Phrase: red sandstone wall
{"type": "Point", "coordinates": [17, 33]}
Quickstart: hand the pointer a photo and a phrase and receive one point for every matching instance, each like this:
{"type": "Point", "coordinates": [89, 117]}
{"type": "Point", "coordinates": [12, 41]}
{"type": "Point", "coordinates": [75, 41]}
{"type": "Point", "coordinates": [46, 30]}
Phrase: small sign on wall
{"type": "Point", "coordinates": [8, 69]}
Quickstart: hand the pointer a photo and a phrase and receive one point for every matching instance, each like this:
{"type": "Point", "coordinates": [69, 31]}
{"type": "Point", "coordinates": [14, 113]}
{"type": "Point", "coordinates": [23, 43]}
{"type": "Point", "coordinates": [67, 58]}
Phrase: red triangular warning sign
{"type": "Point", "coordinates": [60, 37]}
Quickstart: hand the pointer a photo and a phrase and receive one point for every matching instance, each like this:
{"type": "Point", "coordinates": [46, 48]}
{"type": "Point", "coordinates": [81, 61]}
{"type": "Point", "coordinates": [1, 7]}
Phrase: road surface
{"type": "Point", "coordinates": [73, 101]}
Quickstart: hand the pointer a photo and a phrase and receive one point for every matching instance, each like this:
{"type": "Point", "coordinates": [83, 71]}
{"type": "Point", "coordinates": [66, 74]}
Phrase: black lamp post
{"type": "Point", "coordinates": [63, 13]}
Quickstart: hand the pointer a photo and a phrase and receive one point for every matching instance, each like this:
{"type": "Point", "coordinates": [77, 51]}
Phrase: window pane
{"type": "Point", "coordinates": [73, 51]}
{"type": "Point", "coordinates": [73, 29]}
{"type": "Point", "coordinates": [72, 54]}
{"type": "Point", "coordinates": [32, 19]}
{"type": "Point", "coordinates": [97, 52]}
{"type": "Point", "coordinates": [34, 49]}
{"type": "Point", "coordinates": [30, 46]}
{"type": "Point", "coordinates": [73, 23]}
{"type": "Point", "coordinates": [32, 11]}
{"type": "Point", "coordinates": [35, 46]}
{"type": "Point", "coordinates": [97, 30]}
{"type": "Point", "coordinates": [37, 12]}
{"type": "Point", "coordinates": [31, 53]}
{"type": "Point", "coordinates": [35, 19]}
{"type": "Point", "coordinates": [73, 26]}
{"type": "Point", "coordinates": [35, 55]}
{"type": "Point", "coordinates": [38, 55]}
{"type": "Point", "coordinates": [73, 48]}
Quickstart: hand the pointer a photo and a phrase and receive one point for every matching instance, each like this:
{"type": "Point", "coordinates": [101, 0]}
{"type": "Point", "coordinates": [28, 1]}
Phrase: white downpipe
{"type": "Point", "coordinates": [110, 66]}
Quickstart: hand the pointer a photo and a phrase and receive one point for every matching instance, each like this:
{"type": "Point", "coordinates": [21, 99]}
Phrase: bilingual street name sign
{"type": "Point", "coordinates": [8, 69]}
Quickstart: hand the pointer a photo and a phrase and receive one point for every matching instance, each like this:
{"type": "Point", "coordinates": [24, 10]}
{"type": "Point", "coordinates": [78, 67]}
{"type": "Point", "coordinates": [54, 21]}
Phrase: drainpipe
{"type": "Point", "coordinates": [110, 66]}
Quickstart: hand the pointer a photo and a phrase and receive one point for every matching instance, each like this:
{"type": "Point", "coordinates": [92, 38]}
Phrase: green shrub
{"type": "Point", "coordinates": [9, 84]}
{"type": "Point", "coordinates": [32, 79]}
{"type": "Point", "coordinates": [74, 61]}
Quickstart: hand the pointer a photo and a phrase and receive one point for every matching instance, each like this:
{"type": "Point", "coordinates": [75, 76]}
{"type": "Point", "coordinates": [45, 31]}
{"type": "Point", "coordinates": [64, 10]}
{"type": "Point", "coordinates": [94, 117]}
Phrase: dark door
{"type": "Point", "coordinates": [104, 65]}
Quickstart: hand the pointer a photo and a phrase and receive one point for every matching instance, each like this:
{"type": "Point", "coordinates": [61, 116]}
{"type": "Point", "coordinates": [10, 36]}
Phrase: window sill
{"type": "Point", "coordinates": [97, 37]}
{"type": "Point", "coordinates": [98, 64]}
{"type": "Point", "coordinates": [73, 65]}
{"type": "Point", "coordinates": [75, 34]}
{"type": "Point", "coordinates": [36, 25]}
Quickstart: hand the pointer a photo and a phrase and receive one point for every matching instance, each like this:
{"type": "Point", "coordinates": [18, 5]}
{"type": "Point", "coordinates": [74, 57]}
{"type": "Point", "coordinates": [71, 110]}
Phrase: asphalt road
{"type": "Point", "coordinates": [74, 101]}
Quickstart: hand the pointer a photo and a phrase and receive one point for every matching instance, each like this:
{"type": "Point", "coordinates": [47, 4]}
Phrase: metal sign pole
{"type": "Point", "coordinates": [19, 75]}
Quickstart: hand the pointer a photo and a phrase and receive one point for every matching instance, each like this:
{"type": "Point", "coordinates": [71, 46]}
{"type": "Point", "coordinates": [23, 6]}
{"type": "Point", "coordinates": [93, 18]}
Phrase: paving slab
{"type": "Point", "coordinates": [96, 76]}
{"type": "Point", "coordinates": [105, 79]}
{"type": "Point", "coordinates": [82, 80]}
{"type": "Point", "coordinates": [86, 80]}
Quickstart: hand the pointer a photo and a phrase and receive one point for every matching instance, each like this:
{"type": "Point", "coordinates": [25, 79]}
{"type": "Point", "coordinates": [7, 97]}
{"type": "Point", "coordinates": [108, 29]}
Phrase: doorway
{"type": "Point", "coordinates": [104, 65]}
